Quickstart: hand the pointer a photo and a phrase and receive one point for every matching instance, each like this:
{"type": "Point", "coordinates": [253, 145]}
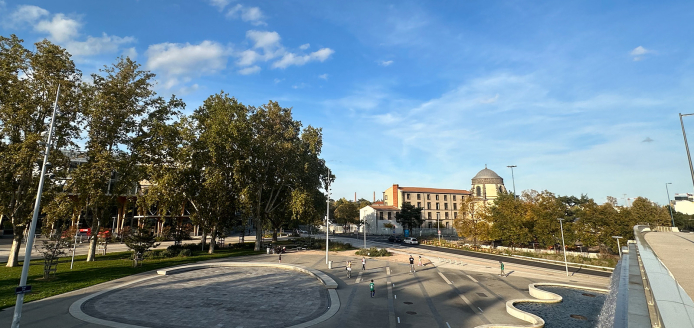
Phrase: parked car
{"type": "Point", "coordinates": [395, 239]}
{"type": "Point", "coordinates": [410, 240]}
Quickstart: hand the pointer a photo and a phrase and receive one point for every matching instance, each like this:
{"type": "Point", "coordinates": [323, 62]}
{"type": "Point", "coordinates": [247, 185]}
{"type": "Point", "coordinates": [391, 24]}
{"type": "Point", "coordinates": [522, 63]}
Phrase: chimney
{"type": "Point", "coordinates": [355, 196]}
{"type": "Point", "coordinates": [374, 196]}
{"type": "Point", "coordinates": [395, 194]}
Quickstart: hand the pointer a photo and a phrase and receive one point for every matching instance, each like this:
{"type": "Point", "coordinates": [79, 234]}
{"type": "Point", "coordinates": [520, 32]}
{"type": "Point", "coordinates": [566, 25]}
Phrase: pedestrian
{"type": "Point", "coordinates": [501, 265]}
{"type": "Point", "coordinates": [420, 260]}
{"type": "Point", "coordinates": [363, 263]}
{"type": "Point", "coordinates": [371, 286]}
{"type": "Point", "coordinates": [412, 264]}
{"type": "Point", "coordinates": [349, 269]}
{"type": "Point", "coordinates": [280, 257]}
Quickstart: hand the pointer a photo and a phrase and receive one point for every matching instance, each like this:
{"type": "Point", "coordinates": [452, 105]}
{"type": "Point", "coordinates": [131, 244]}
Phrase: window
{"type": "Point", "coordinates": [429, 217]}
{"type": "Point", "coordinates": [446, 223]}
{"type": "Point", "coordinates": [455, 215]}
{"type": "Point", "coordinates": [419, 196]}
{"type": "Point", "coordinates": [419, 204]}
{"type": "Point", "coordinates": [445, 206]}
{"type": "Point", "coordinates": [455, 206]}
{"type": "Point", "coordinates": [453, 197]}
{"type": "Point", "coordinates": [500, 190]}
{"type": "Point", "coordinates": [407, 196]}
{"type": "Point", "coordinates": [437, 197]}
{"type": "Point", "coordinates": [388, 215]}
{"type": "Point", "coordinates": [386, 196]}
{"type": "Point", "coordinates": [430, 225]}
{"type": "Point", "coordinates": [381, 215]}
{"type": "Point", "coordinates": [428, 205]}
{"type": "Point", "coordinates": [437, 206]}
{"type": "Point", "coordinates": [446, 215]}
{"type": "Point", "coordinates": [445, 197]}
{"type": "Point", "coordinates": [428, 197]}
{"type": "Point", "coordinates": [478, 190]}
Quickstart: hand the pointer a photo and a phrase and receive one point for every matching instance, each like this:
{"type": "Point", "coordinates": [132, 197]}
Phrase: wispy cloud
{"type": "Point", "coordinates": [323, 76]}
{"type": "Point", "coordinates": [249, 70]}
{"type": "Point", "coordinates": [639, 52]}
{"type": "Point", "coordinates": [267, 46]}
{"type": "Point", "coordinates": [385, 62]}
{"type": "Point", "coordinates": [180, 62]}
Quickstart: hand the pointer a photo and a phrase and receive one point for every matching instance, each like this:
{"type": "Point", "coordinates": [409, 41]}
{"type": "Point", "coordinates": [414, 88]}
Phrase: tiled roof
{"type": "Point", "coordinates": [435, 190]}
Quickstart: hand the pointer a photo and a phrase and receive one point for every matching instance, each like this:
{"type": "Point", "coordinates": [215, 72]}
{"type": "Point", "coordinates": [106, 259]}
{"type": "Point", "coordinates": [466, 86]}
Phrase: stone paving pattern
{"type": "Point", "coordinates": [675, 250]}
{"type": "Point", "coordinates": [216, 297]}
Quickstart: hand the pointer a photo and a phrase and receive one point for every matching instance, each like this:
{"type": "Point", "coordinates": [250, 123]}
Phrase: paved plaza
{"type": "Point", "coordinates": [674, 249]}
{"type": "Point", "coordinates": [454, 292]}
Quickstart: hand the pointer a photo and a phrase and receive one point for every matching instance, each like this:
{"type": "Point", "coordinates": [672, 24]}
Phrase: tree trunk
{"type": "Point", "coordinates": [203, 240]}
{"type": "Point", "coordinates": [91, 255]}
{"type": "Point", "coordinates": [258, 234]}
{"type": "Point", "coordinates": [213, 240]}
{"type": "Point", "coordinates": [274, 234]}
{"type": "Point", "coordinates": [17, 237]}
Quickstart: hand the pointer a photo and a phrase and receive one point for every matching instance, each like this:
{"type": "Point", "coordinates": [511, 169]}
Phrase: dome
{"type": "Point", "coordinates": [487, 176]}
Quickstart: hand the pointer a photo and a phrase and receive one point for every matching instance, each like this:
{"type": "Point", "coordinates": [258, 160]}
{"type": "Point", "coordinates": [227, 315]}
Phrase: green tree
{"type": "Point", "coordinates": [28, 84]}
{"type": "Point", "coordinates": [346, 213]}
{"type": "Point", "coordinates": [472, 222]}
{"type": "Point", "coordinates": [409, 216]}
{"type": "Point", "coordinates": [509, 221]}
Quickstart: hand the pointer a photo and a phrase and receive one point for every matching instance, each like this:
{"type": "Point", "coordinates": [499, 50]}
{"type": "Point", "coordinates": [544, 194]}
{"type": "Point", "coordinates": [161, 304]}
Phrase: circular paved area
{"type": "Point", "coordinates": [215, 297]}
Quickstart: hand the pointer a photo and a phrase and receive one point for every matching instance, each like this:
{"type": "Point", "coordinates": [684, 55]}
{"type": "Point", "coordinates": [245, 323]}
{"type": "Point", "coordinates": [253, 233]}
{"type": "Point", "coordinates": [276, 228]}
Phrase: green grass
{"type": "Point", "coordinates": [84, 274]}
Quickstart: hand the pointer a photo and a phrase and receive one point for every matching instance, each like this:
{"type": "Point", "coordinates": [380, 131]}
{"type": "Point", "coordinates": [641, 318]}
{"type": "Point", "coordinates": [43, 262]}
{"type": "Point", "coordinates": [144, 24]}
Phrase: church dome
{"type": "Point", "coordinates": [487, 176]}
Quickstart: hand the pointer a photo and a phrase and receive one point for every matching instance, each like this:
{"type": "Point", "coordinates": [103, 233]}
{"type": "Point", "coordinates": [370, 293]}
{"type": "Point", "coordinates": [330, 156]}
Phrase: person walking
{"type": "Point", "coordinates": [349, 269]}
{"type": "Point", "coordinates": [501, 265]}
{"type": "Point", "coordinates": [363, 263]}
{"type": "Point", "coordinates": [412, 264]}
{"type": "Point", "coordinates": [420, 260]}
{"type": "Point", "coordinates": [371, 287]}
{"type": "Point", "coordinates": [280, 257]}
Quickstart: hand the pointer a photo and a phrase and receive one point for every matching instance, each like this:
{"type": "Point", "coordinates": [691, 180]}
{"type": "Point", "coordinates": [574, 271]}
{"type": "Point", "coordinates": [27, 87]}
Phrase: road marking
{"type": "Point", "coordinates": [449, 326]}
{"type": "Point", "coordinates": [480, 309]}
{"type": "Point", "coordinates": [398, 319]}
{"type": "Point", "coordinates": [395, 296]}
{"type": "Point", "coordinates": [469, 276]}
{"type": "Point", "coordinates": [388, 271]}
{"type": "Point", "coordinates": [467, 301]}
{"type": "Point", "coordinates": [444, 278]}
{"type": "Point", "coordinates": [359, 278]}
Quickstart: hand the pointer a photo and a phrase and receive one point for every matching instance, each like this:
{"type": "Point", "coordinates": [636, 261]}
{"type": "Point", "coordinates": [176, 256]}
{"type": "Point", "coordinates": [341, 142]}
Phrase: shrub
{"type": "Point", "coordinates": [168, 253]}
{"type": "Point", "coordinates": [185, 253]}
{"type": "Point", "coordinates": [373, 252]}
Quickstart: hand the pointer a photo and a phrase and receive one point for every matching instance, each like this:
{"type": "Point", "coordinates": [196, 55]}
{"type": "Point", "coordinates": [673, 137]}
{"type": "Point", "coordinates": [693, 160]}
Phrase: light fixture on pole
{"type": "Point", "coordinates": [34, 220]}
{"type": "Point", "coordinates": [513, 179]}
{"type": "Point", "coordinates": [686, 146]}
{"type": "Point", "coordinates": [327, 219]}
{"type": "Point", "coordinates": [618, 247]}
{"type": "Point", "coordinates": [566, 263]}
{"type": "Point", "coordinates": [669, 205]}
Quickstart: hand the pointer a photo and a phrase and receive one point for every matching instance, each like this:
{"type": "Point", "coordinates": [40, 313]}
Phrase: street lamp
{"type": "Point", "coordinates": [438, 226]}
{"type": "Point", "coordinates": [561, 226]}
{"type": "Point", "coordinates": [670, 205]}
{"type": "Point", "coordinates": [513, 179]}
{"type": "Point", "coordinates": [686, 146]}
{"type": "Point", "coordinates": [327, 218]}
{"type": "Point", "coordinates": [618, 247]}
{"type": "Point", "coordinates": [74, 246]}
{"type": "Point", "coordinates": [32, 228]}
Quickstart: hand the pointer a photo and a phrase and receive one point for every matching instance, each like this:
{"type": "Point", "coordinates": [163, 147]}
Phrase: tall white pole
{"type": "Point", "coordinates": [327, 220]}
{"type": "Point", "coordinates": [669, 205]}
{"type": "Point", "coordinates": [364, 231]}
{"type": "Point", "coordinates": [566, 264]}
{"type": "Point", "coordinates": [514, 180]}
{"type": "Point", "coordinates": [32, 228]}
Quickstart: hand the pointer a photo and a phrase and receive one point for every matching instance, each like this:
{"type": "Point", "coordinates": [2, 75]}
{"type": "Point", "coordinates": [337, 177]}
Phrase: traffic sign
{"type": "Point", "coordinates": [22, 290]}
{"type": "Point", "coordinates": [439, 232]}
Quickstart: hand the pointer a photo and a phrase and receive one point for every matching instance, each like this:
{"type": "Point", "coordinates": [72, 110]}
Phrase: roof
{"type": "Point", "coordinates": [384, 207]}
{"type": "Point", "coordinates": [486, 174]}
{"type": "Point", "coordinates": [435, 190]}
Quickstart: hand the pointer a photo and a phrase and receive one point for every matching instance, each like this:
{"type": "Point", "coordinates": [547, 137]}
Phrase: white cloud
{"type": "Point", "coordinates": [278, 80]}
{"type": "Point", "coordinates": [264, 39]}
{"type": "Point", "coordinates": [639, 52]}
{"type": "Point", "coordinates": [249, 70]}
{"type": "Point", "coordinates": [385, 62]}
{"type": "Point", "coordinates": [27, 14]}
{"type": "Point", "coordinates": [130, 52]}
{"type": "Point", "coordinates": [97, 45]}
{"type": "Point", "coordinates": [252, 15]}
{"type": "Point", "coordinates": [221, 4]}
{"type": "Point", "coordinates": [490, 100]}
{"type": "Point", "coordinates": [304, 46]}
{"type": "Point", "coordinates": [289, 59]}
{"type": "Point", "coordinates": [175, 60]}
{"type": "Point", "coordinates": [60, 28]}
{"type": "Point", "coordinates": [323, 76]}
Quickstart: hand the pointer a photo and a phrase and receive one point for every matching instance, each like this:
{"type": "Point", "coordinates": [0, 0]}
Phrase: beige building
{"type": "Point", "coordinates": [487, 185]}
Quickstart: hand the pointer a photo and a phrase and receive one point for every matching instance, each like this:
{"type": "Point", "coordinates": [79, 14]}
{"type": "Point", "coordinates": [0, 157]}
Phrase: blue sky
{"type": "Point", "coordinates": [582, 96]}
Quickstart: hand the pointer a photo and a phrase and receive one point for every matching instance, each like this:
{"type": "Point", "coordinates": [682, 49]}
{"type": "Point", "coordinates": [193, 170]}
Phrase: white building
{"type": "Point", "coordinates": [380, 219]}
{"type": "Point", "coordinates": [684, 203]}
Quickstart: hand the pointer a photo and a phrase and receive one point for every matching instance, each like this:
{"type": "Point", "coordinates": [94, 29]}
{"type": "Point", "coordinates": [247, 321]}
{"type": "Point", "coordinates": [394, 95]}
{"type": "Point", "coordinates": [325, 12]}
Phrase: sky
{"type": "Point", "coordinates": [583, 97]}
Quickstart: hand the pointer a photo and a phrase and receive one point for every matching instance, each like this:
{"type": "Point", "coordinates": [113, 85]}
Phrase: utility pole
{"type": "Point", "coordinates": [566, 263]}
{"type": "Point", "coordinates": [513, 179]}
{"type": "Point", "coordinates": [32, 228]}
{"type": "Point", "coordinates": [669, 205]}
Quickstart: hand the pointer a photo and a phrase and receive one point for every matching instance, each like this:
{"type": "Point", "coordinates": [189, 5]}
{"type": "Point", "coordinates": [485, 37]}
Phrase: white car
{"type": "Point", "coordinates": [410, 240]}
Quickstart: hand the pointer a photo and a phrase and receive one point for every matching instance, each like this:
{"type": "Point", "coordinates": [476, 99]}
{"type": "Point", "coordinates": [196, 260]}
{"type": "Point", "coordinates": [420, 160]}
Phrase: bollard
{"type": "Point", "coordinates": [330, 264]}
{"type": "Point", "coordinates": [268, 250]}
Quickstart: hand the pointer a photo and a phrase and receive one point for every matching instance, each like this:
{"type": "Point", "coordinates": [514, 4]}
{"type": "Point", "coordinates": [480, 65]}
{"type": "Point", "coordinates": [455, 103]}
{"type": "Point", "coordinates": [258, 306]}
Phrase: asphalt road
{"type": "Point", "coordinates": [494, 257]}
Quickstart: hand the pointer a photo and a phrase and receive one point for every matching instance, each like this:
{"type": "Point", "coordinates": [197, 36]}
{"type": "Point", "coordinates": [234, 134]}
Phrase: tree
{"type": "Point", "coordinates": [28, 85]}
{"type": "Point", "coordinates": [409, 216]}
{"type": "Point", "coordinates": [346, 212]}
{"type": "Point", "coordinates": [510, 222]}
{"type": "Point", "coordinates": [471, 221]}
{"type": "Point", "coordinates": [140, 241]}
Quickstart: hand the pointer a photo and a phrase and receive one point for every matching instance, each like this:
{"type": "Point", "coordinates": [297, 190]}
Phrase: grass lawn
{"type": "Point", "coordinates": [84, 274]}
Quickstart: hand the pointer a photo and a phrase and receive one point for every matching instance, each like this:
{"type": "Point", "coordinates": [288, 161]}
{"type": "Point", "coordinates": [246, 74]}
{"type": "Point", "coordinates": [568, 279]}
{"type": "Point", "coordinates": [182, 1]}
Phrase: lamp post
{"type": "Point", "coordinates": [438, 226]}
{"type": "Point", "coordinates": [566, 263]}
{"type": "Point", "coordinates": [618, 247]}
{"type": "Point", "coordinates": [327, 219]}
{"type": "Point", "coordinates": [32, 228]}
{"type": "Point", "coordinates": [513, 179]}
{"type": "Point", "coordinates": [74, 246]}
{"type": "Point", "coordinates": [669, 205]}
{"type": "Point", "coordinates": [686, 146]}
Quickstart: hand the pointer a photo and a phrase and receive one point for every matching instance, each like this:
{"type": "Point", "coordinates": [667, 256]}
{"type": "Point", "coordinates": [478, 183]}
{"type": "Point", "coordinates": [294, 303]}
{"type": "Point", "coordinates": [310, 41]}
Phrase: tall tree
{"type": "Point", "coordinates": [471, 221]}
{"type": "Point", "coordinates": [510, 223]}
{"type": "Point", "coordinates": [346, 212]}
{"type": "Point", "coordinates": [409, 216]}
{"type": "Point", "coordinates": [28, 84]}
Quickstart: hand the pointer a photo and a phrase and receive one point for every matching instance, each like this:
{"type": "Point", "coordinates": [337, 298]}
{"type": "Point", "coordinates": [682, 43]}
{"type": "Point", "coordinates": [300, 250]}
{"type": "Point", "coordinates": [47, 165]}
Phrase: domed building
{"type": "Point", "coordinates": [487, 185]}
